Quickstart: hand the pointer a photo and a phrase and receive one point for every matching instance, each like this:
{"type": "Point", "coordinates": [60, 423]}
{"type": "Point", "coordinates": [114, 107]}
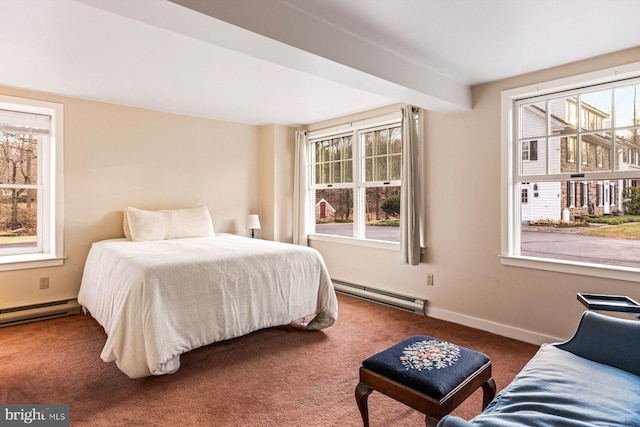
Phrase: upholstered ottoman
{"type": "Point", "coordinates": [427, 374]}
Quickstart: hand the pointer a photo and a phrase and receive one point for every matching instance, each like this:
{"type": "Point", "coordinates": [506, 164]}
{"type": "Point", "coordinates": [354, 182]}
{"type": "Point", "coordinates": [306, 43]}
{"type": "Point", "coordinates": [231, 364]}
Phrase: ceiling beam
{"type": "Point", "coordinates": [276, 32]}
{"type": "Point", "coordinates": [333, 53]}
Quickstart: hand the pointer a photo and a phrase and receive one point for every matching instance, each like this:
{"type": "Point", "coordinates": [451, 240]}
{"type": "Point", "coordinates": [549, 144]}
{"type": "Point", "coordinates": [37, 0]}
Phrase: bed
{"type": "Point", "coordinates": [157, 299]}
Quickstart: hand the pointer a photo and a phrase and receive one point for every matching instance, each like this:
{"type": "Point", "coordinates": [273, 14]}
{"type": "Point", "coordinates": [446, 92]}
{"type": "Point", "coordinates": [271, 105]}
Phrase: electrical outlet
{"type": "Point", "coordinates": [44, 282]}
{"type": "Point", "coordinates": [429, 279]}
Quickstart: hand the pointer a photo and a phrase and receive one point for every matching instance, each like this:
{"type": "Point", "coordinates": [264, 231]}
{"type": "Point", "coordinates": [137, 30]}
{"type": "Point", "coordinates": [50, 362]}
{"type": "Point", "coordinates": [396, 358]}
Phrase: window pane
{"type": "Point", "coordinates": [326, 173]}
{"type": "Point", "coordinates": [595, 148]}
{"type": "Point", "coordinates": [595, 110]}
{"type": "Point", "coordinates": [533, 120]}
{"type": "Point", "coordinates": [18, 158]}
{"type": "Point", "coordinates": [368, 144]}
{"type": "Point", "coordinates": [380, 167]}
{"type": "Point", "coordinates": [562, 220]}
{"type": "Point", "coordinates": [347, 174]}
{"type": "Point", "coordinates": [533, 154]}
{"type": "Point", "coordinates": [383, 213]}
{"type": "Point", "coordinates": [368, 169]}
{"type": "Point", "coordinates": [337, 171]}
{"type": "Point", "coordinates": [627, 147]}
{"type": "Point", "coordinates": [337, 149]}
{"type": "Point", "coordinates": [334, 211]}
{"type": "Point", "coordinates": [325, 155]}
{"type": "Point", "coordinates": [563, 115]}
{"type": "Point", "coordinates": [382, 142]}
{"type": "Point", "coordinates": [396, 140]}
{"type": "Point", "coordinates": [18, 217]}
{"type": "Point", "coordinates": [348, 152]}
{"type": "Point", "coordinates": [568, 154]}
{"type": "Point", "coordinates": [395, 167]}
{"type": "Point", "coordinates": [627, 106]}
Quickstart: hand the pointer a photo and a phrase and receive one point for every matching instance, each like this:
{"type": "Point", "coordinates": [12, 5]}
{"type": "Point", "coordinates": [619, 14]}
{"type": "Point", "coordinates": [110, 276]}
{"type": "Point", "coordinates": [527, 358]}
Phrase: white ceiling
{"type": "Point", "coordinates": [296, 61]}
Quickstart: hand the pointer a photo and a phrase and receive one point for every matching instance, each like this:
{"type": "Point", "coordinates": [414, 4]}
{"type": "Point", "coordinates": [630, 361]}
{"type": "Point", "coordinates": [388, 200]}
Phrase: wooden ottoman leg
{"type": "Point", "coordinates": [362, 394]}
{"type": "Point", "coordinates": [488, 392]}
{"type": "Point", "coordinates": [430, 421]}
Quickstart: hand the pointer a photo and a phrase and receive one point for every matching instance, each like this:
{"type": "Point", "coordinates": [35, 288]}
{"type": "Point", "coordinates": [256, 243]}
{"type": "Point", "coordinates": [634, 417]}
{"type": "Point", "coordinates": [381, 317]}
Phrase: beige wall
{"type": "Point", "coordinates": [276, 182]}
{"type": "Point", "coordinates": [118, 156]}
{"type": "Point", "coordinates": [471, 285]}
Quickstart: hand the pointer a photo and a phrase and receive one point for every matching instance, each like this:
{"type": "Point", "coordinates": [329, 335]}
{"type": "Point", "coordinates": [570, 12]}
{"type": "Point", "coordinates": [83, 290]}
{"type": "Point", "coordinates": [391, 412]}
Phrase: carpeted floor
{"type": "Point", "coordinates": [282, 376]}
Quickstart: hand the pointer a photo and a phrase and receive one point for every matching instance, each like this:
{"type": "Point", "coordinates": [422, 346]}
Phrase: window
{"type": "Point", "coordinates": [356, 180]}
{"type": "Point", "coordinates": [599, 156]}
{"type": "Point", "coordinates": [530, 150]}
{"type": "Point", "coordinates": [585, 195]}
{"type": "Point", "coordinates": [30, 183]}
{"type": "Point", "coordinates": [571, 149]}
{"type": "Point", "coordinates": [587, 134]}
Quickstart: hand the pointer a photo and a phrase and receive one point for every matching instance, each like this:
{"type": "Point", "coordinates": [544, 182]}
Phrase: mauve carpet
{"type": "Point", "coordinates": [282, 376]}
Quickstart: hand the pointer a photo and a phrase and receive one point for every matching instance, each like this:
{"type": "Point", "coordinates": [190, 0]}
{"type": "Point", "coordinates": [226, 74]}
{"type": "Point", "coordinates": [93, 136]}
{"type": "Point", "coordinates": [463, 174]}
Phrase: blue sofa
{"type": "Point", "coordinates": [591, 380]}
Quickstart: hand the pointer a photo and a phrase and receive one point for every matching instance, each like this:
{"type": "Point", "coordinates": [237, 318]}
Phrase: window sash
{"type": "Point", "coordinates": [44, 120]}
{"type": "Point", "coordinates": [611, 129]}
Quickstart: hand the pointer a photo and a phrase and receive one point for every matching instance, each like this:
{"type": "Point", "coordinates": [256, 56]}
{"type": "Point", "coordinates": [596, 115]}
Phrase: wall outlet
{"type": "Point", "coordinates": [429, 279]}
{"type": "Point", "coordinates": [44, 283]}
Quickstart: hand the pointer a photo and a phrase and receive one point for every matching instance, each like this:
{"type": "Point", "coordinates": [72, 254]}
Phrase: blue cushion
{"type": "Point", "coordinates": [426, 364]}
{"type": "Point", "coordinates": [607, 340]}
{"type": "Point", "coordinates": [560, 389]}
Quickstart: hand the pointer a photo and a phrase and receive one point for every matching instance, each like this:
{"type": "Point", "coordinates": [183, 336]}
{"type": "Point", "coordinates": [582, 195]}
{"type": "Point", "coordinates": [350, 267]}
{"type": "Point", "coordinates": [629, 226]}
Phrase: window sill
{"type": "Point", "coordinates": [377, 244]}
{"type": "Point", "coordinates": [584, 269]}
{"type": "Point", "coordinates": [23, 262]}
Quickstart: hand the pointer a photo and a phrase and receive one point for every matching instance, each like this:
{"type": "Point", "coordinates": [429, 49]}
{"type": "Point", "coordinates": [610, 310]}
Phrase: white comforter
{"type": "Point", "coordinates": [157, 300]}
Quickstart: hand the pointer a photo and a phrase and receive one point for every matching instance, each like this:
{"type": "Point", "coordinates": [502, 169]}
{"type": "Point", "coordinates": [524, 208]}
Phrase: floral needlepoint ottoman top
{"type": "Point", "coordinates": [431, 354]}
{"type": "Point", "coordinates": [432, 366]}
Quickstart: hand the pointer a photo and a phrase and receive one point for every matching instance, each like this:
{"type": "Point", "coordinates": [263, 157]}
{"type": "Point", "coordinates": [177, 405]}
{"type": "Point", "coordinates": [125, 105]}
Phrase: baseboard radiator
{"type": "Point", "coordinates": [402, 302]}
{"type": "Point", "coordinates": [35, 312]}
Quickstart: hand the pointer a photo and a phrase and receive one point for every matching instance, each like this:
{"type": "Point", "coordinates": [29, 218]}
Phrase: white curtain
{"type": "Point", "coordinates": [410, 193]}
{"type": "Point", "coordinates": [300, 190]}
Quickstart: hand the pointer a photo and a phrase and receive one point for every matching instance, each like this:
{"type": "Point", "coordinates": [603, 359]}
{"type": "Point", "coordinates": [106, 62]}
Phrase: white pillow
{"type": "Point", "coordinates": [125, 225]}
{"type": "Point", "coordinates": [168, 224]}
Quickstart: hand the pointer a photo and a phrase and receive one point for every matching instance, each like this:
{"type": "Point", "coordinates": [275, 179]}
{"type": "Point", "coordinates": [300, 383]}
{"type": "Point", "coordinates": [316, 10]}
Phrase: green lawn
{"type": "Point", "coordinates": [623, 231]}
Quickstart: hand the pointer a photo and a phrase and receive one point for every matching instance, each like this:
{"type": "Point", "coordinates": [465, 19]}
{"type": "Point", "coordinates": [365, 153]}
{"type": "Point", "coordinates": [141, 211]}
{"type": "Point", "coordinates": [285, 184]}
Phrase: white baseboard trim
{"type": "Point", "coordinates": [493, 327]}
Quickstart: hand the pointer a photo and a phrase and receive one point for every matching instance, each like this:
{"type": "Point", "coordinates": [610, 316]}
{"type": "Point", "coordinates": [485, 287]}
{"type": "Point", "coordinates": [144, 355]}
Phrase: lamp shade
{"type": "Point", "coordinates": [253, 222]}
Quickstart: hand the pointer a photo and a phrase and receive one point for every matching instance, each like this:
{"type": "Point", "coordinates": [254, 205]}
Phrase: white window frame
{"type": "Point", "coordinates": [51, 203]}
{"type": "Point", "coordinates": [359, 184]}
{"type": "Point", "coordinates": [510, 210]}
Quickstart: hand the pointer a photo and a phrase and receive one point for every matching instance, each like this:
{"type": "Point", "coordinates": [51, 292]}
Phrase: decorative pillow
{"type": "Point", "coordinates": [168, 224]}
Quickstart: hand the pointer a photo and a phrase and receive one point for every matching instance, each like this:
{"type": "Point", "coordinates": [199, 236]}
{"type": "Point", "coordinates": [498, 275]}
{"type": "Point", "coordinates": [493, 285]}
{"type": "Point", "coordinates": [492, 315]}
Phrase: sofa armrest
{"type": "Point", "coordinates": [608, 340]}
{"type": "Point", "coordinates": [452, 421]}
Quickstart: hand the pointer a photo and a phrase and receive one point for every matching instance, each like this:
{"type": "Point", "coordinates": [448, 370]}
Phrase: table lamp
{"type": "Point", "coordinates": [253, 223]}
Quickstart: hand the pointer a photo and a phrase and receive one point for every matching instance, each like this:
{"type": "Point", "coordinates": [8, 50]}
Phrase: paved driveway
{"type": "Point", "coordinates": [390, 234]}
{"type": "Point", "coordinates": [546, 244]}
{"type": "Point", "coordinates": [576, 247]}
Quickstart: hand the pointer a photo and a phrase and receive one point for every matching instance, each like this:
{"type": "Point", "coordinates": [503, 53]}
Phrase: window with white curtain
{"type": "Point", "coordinates": [30, 183]}
{"type": "Point", "coordinates": [356, 179]}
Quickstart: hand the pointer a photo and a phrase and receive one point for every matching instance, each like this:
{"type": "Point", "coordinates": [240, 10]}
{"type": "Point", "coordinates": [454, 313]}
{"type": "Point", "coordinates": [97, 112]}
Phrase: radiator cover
{"type": "Point", "coordinates": [390, 299]}
{"type": "Point", "coordinates": [32, 313]}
